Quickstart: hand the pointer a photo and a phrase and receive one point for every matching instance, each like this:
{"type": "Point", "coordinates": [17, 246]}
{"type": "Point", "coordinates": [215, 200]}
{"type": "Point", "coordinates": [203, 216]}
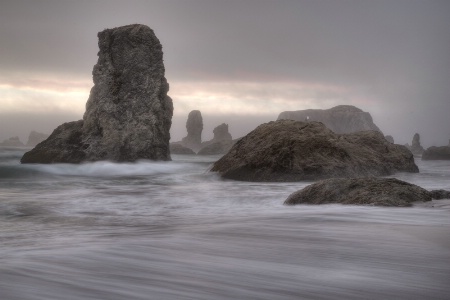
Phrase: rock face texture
{"type": "Point", "coordinates": [416, 148]}
{"type": "Point", "coordinates": [437, 153]}
{"type": "Point", "coordinates": [288, 150]}
{"type": "Point", "coordinates": [361, 191]}
{"type": "Point", "coordinates": [340, 119]}
{"type": "Point", "coordinates": [128, 113]}
{"type": "Point", "coordinates": [194, 126]}
{"type": "Point", "coordinates": [12, 142]}
{"type": "Point", "coordinates": [35, 138]}
{"type": "Point", "coordinates": [180, 149]}
{"type": "Point", "coordinates": [389, 138]}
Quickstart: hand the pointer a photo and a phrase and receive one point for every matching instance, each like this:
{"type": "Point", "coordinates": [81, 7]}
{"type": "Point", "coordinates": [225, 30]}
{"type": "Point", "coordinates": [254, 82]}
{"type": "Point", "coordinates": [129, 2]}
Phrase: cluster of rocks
{"type": "Point", "coordinates": [192, 143]}
{"type": "Point", "coordinates": [128, 114]}
{"type": "Point", "coordinates": [33, 139]}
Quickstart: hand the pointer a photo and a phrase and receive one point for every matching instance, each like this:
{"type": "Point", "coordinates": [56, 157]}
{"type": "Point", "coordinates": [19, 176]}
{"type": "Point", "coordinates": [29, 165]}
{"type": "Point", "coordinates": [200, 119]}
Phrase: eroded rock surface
{"type": "Point", "coordinates": [361, 191]}
{"type": "Point", "coordinates": [128, 113]}
{"type": "Point", "coordinates": [288, 150]}
{"type": "Point", "coordinates": [340, 119]}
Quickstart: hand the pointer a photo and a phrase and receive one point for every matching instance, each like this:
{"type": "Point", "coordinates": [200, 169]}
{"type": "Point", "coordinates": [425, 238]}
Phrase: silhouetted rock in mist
{"type": "Point", "coordinates": [416, 148]}
{"type": "Point", "coordinates": [176, 148]}
{"type": "Point", "coordinates": [12, 142]}
{"type": "Point", "coordinates": [437, 153]}
{"type": "Point", "coordinates": [364, 191]}
{"type": "Point", "coordinates": [221, 142]}
{"type": "Point", "coordinates": [288, 150]}
{"type": "Point", "coordinates": [194, 126]}
{"type": "Point", "coordinates": [35, 138]}
{"type": "Point", "coordinates": [128, 113]}
{"type": "Point", "coordinates": [340, 119]}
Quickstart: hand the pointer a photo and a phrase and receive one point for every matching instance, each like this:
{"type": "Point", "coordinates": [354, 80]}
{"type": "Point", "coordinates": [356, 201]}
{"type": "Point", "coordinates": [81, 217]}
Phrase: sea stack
{"type": "Point", "coordinates": [128, 113]}
{"type": "Point", "coordinates": [416, 147]}
{"type": "Point", "coordinates": [340, 119]}
{"type": "Point", "coordinates": [35, 138]}
{"type": "Point", "coordinates": [194, 127]}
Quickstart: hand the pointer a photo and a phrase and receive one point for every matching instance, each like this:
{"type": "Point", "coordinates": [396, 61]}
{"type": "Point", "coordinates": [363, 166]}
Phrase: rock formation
{"type": "Point", "coordinates": [128, 113]}
{"type": "Point", "coordinates": [416, 148]}
{"type": "Point", "coordinates": [363, 191]}
{"type": "Point", "coordinates": [35, 138]}
{"type": "Point", "coordinates": [288, 150]}
{"type": "Point", "coordinates": [437, 153]}
{"type": "Point", "coordinates": [389, 138]}
{"type": "Point", "coordinates": [194, 126]}
{"type": "Point", "coordinates": [180, 149]}
{"type": "Point", "coordinates": [340, 119]}
{"type": "Point", "coordinates": [12, 142]}
{"type": "Point", "coordinates": [221, 142]}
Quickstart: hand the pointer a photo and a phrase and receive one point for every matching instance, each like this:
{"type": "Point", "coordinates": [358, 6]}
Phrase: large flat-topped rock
{"type": "Point", "coordinates": [128, 113]}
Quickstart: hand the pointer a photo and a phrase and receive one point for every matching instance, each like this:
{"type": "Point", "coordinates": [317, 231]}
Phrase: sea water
{"type": "Point", "coordinates": [174, 230]}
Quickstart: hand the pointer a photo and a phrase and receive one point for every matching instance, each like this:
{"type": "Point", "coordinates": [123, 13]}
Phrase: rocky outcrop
{"type": "Point", "coordinates": [128, 113]}
{"type": "Point", "coordinates": [340, 119]}
{"type": "Point", "coordinates": [416, 148]}
{"type": "Point", "coordinates": [390, 139]}
{"type": "Point", "coordinates": [288, 150]}
{"type": "Point", "coordinates": [194, 126]}
{"type": "Point", "coordinates": [436, 153]}
{"type": "Point", "coordinates": [221, 142]}
{"type": "Point", "coordinates": [176, 148]}
{"type": "Point", "coordinates": [35, 138]}
{"type": "Point", "coordinates": [12, 142]}
{"type": "Point", "coordinates": [363, 191]}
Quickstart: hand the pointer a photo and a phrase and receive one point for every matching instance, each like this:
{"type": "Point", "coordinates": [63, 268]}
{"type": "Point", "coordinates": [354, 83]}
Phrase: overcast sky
{"type": "Point", "coordinates": [239, 62]}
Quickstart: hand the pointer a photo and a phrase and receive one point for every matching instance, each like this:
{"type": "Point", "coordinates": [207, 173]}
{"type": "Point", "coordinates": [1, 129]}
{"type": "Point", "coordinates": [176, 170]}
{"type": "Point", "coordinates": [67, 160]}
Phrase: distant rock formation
{"type": "Point", "coordinates": [389, 138]}
{"type": "Point", "coordinates": [340, 119]}
{"type": "Point", "coordinates": [194, 126]}
{"type": "Point", "coordinates": [288, 150]}
{"type": "Point", "coordinates": [180, 149]}
{"type": "Point", "coordinates": [437, 153]}
{"type": "Point", "coordinates": [364, 191]}
{"type": "Point", "coordinates": [35, 138]}
{"type": "Point", "coordinates": [12, 142]}
{"type": "Point", "coordinates": [416, 148]}
{"type": "Point", "coordinates": [128, 113]}
{"type": "Point", "coordinates": [220, 144]}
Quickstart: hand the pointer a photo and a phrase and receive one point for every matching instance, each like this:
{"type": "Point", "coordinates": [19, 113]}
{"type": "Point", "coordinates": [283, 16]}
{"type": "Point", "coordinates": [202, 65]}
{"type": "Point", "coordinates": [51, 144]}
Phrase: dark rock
{"type": "Point", "coordinates": [436, 153]}
{"type": "Point", "coordinates": [288, 150]}
{"type": "Point", "coordinates": [440, 194]}
{"type": "Point", "coordinates": [221, 142]}
{"type": "Point", "coordinates": [340, 119]}
{"type": "Point", "coordinates": [128, 113]}
{"type": "Point", "coordinates": [216, 148]}
{"type": "Point", "coordinates": [35, 138]}
{"type": "Point", "coordinates": [360, 191]}
{"type": "Point", "coordinates": [64, 145]}
{"type": "Point", "coordinates": [389, 138]}
{"type": "Point", "coordinates": [221, 133]}
{"type": "Point", "coordinates": [194, 126]}
{"type": "Point", "coordinates": [12, 142]}
{"type": "Point", "coordinates": [416, 148]}
{"type": "Point", "coordinates": [180, 149]}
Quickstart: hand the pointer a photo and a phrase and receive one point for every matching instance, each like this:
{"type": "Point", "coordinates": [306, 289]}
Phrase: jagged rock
{"type": "Point", "coordinates": [288, 150]}
{"type": "Point", "coordinates": [176, 148]}
{"type": "Point", "coordinates": [436, 153]}
{"type": "Point", "coordinates": [361, 191]}
{"type": "Point", "coordinates": [340, 119]}
{"type": "Point", "coordinates": [194, 126]}
{"type": "Point", "coordinates": [416, 148]}
{"type": "Point", "coordinates": [389, 138]}
{"type": "Point", "coordinates": [128, 113]}
{"type": "Point", "coordinates": [221, 142]}
{"type": "Point", "coordinates": [12, 142]}
{"type": "Point", "coordinates": [221, 133]}
{"type": "Point", "coordinates": [35, 138]}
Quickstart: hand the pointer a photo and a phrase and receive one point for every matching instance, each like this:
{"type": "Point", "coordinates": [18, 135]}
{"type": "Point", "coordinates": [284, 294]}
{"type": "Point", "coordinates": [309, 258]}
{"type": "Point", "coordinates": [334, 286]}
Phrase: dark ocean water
{"type": "Point", "coordinates": [172, 230]}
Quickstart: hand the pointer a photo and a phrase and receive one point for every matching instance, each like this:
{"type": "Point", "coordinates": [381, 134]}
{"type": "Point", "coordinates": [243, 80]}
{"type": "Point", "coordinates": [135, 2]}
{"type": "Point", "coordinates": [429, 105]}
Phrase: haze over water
{"type": "Point", "coordinates": [173, 230]}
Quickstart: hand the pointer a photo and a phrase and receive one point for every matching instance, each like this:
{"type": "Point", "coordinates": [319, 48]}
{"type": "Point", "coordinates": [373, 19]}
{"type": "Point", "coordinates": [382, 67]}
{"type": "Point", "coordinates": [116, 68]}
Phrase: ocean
{"type": "Point", "coordinates": [174, 230]}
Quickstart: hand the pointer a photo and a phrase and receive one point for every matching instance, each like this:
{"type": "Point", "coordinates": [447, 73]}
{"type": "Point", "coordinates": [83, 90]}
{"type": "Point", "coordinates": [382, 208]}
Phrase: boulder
{"type": "Point", "coordinates": [416, 148]}
{"type": "Point", "coordinates": [288, 150]}
{"type": "Point", "coordinates": [35, 138]}
{"type": "Point", "coordinates": [389, 138]}
{"type": "Point", "coordinates": [176, 148]}
{"type": "Point", "coordinates": [128, 113]}
{"type": "Point", "coordinates": [194, 126]}
{"type": "Point", "coordinates": [436, 153]}
{"type": "Point", "coordinates": [340, 119]}
{"type": "Point", "coordinates": [12, 142]}
{"type": "Point", "coordinates": [440, 194]}
{"type": "Point", "coordinates": [361, 191]}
